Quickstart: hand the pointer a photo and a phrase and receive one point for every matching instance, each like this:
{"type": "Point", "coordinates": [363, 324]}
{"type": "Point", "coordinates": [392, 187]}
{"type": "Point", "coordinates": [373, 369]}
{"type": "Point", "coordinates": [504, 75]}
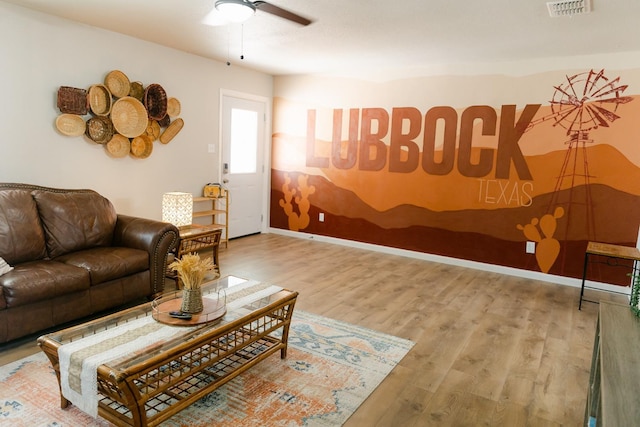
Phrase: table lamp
{"type": "Point", "coordinates": [177, 208]}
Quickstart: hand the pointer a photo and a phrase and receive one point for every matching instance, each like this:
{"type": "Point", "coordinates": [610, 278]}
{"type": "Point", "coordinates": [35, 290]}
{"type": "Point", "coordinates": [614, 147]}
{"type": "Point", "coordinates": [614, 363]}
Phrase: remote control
{"type": "Point", "coordinates": [180, 315]}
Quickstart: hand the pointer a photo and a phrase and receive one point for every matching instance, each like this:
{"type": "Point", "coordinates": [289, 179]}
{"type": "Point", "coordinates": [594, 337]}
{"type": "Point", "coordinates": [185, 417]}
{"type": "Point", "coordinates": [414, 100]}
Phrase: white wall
{"type": "Point", "coordinates": [39, 53]}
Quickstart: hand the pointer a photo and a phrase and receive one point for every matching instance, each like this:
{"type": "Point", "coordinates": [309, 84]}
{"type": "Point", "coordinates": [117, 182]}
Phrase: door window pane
{"type": "Point", "coordinates": [244, 141]}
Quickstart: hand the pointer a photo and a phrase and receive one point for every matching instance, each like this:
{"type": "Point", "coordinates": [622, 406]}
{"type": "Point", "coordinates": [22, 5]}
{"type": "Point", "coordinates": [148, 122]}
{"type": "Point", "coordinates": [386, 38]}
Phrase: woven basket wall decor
{"type": "Point", "coordinates": [73, 100]}
{"type": "Point", "coordinates": [173, 107]}
{"type": "Point", "coordinates": [99, 129]}
{"type": "Point", "coordinates": [126, 117]}
{"type": "Point", "coordinates": [137, 91]}
{"type": "Point", "coordinates": [141, 147]}
{"type": "Point", "coordinates": [155, 100]}
{"type": "Point", "coordinates": [165, 121]}
{"type": "Point", "coordinates": [70, 124]}
{"type": "Point", "coordinates": [153, 130]}
{"type": "Point", "coordinates": [129, 117]}
{"type": "Point", "coordinates": [117, 83]}
{"type": "Point", "coordinates": [171, 131]}
{"type": "Point", "coordinates": [100, 100]}
{"type": "Point", "coordinates": [118, 146]}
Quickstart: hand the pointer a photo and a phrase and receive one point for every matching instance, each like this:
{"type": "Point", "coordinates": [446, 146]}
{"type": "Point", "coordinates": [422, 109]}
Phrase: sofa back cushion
{"type": "Point", "coordinates": [21, 235]}
{"type": "Point", "coordinates": [76, 220]}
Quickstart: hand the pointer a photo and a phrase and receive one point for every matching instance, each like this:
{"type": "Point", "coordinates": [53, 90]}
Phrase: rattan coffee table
{"type": "Point", "coordinates": [148, 385]}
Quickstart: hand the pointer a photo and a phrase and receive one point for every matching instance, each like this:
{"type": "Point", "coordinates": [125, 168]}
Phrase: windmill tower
{"type": "Point", "coordinates": [581, 103]}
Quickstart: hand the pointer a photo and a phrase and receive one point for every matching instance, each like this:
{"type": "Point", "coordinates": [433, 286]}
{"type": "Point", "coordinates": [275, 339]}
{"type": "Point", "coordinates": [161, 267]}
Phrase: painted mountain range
{"type": "Point", "coordinates": [478, 219]}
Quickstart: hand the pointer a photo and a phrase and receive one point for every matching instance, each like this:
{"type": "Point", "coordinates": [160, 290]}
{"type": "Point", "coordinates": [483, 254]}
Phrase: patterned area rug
{"type": "Point", "coordinates": [330, 369]}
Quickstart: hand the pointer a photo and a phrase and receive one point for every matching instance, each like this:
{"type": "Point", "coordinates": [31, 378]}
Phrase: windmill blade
{"type": "Point", "coordinates": [564, 102]}
{"type": "Point", "coordinates": [609, 85]}
{"type": "Point", "coordinates": [612, 117]}
{"type": "Point", "coordinates": [597, 116]}
{"type": "Point", "coordinates": [573, 90]}
{"type": "Point", "coordinates": [598, 76]}
{"type": "Point", "coordinates": [613, 90]}
{"type": "Point", "coordinates": [588, 82]}
{"type": "Point", "coordinates": [282, 13]}
{"type": "Point", "coordinates": [617, 99]}
{"type": "Point", "coordinates": [559, 89]}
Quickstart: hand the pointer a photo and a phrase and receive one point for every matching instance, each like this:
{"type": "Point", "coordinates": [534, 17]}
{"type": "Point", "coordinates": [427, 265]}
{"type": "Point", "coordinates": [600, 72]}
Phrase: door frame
{"type": "Point", "coordinates": [266, 153]}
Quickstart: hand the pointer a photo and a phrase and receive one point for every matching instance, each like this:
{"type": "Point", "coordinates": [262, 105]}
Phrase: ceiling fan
{"type": "Point", "coordinates": [241, 10]}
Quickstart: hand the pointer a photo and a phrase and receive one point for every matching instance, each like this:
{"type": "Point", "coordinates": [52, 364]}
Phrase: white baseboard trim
{"type": "Point", "coordinates": [534, 275]}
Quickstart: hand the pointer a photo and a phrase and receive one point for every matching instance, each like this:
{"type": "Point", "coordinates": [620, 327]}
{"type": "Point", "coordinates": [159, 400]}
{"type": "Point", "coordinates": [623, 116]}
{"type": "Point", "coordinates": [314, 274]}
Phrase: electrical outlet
{"type": "Point", "coordinates": [531, 248]}
{"type": "Point", "coordinates": [321, 217]}
{"type": "Point", "coordinates": [212, 148]}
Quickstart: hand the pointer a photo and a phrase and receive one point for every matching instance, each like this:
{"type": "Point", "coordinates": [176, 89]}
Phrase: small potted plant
{"type": "Point", "coordinates": [191, 271]}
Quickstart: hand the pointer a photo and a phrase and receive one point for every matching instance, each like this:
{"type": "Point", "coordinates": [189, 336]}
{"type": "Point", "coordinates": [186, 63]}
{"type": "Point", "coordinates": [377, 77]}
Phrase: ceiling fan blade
{"type": "Point", "coordinates": [282, 13]}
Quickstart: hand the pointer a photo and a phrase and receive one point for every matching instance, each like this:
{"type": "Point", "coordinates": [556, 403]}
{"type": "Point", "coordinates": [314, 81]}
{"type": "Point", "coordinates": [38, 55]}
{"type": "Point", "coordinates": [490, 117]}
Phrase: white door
{"type": "Point", "coordinates": [243, 140]}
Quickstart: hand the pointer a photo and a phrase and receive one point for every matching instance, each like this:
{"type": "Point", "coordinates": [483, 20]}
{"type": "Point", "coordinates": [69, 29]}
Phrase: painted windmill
{"type": "Point", "coordinates": [581, 103]}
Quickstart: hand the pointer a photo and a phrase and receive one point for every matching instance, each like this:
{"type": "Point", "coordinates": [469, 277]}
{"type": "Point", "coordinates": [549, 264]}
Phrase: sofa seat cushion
{"type": "Point", "coordinates": [35, 281]}
{"type": "Point", "coordinates": [75, 221]}
{"type": "Point", "coordinates": [105, 264]}
{"type": "Point", "coordinates": [21, 233]}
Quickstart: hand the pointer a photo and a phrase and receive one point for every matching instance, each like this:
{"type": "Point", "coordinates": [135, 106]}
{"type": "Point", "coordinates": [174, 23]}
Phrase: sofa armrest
{"type": "Point", "coordinates": [155, 237]}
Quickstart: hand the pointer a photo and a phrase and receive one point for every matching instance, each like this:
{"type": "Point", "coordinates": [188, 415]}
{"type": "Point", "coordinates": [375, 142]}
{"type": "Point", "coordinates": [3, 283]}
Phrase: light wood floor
{"type": "Point", "coordinates": [491, 349]}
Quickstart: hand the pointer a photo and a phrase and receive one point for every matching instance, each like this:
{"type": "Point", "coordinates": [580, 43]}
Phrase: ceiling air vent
{"type": "Point", "coordinates": [568, 7]}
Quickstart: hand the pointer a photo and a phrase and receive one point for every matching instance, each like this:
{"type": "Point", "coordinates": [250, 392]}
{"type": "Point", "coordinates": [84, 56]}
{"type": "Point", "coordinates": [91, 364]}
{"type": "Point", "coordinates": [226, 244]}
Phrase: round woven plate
{"type": "Point", "coordinates": [118, 146]}
{"type": "Point", "coordinates": [99, 129]}
{"type": "Point", "coordinates": [70, 124]}
{"type": "Point", "coordinates": [141, 146]}
{"type": "Point", "coordinates": [173, 107]}
{"type": "Point", "coordinates": [129, 117]}
{"type": "Point", "coordinates": [155, 99]}
{"type": "Point", "coordinates": [117, 83]}
{"type": "Point", "coordinates": [100, 100]}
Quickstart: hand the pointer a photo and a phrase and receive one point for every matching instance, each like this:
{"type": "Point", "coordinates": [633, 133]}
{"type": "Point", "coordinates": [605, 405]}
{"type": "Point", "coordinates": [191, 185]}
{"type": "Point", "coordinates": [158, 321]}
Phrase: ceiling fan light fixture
{"type": "Point", "coordinates": [235, 10]}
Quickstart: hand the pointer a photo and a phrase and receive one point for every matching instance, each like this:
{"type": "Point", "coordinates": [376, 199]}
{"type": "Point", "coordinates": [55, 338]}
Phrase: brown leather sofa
{"type": "Point", "coordinates": [73, 256]}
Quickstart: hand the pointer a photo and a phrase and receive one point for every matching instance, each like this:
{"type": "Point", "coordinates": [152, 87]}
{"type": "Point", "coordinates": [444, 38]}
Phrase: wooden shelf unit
{"type": "Point", "coordinates": [614, 383]}
{"type": "Point", "coordinates": [215, 208]}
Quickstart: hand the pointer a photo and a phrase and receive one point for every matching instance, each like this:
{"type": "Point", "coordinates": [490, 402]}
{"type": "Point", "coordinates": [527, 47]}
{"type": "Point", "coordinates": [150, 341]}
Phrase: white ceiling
{"type": "Point", "coordinates": [364, 37]}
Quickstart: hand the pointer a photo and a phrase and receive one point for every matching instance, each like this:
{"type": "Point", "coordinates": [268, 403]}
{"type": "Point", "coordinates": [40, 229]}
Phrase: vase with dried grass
{"type": "Point", "coordinates": [191, 270]}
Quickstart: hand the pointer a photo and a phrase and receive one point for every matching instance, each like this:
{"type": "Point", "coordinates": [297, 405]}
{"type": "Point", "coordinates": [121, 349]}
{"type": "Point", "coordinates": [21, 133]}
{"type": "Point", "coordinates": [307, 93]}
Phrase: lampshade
{"type": "Point", "coordinates": [236, 10]}
{"type": "Point", "coordinates": [177, 208]}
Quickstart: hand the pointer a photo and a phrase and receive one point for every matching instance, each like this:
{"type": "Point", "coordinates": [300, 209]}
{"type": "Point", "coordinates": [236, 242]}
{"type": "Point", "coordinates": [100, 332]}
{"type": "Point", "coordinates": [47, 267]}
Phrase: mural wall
{"type": "Point", "coordinates": [465, 167]}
